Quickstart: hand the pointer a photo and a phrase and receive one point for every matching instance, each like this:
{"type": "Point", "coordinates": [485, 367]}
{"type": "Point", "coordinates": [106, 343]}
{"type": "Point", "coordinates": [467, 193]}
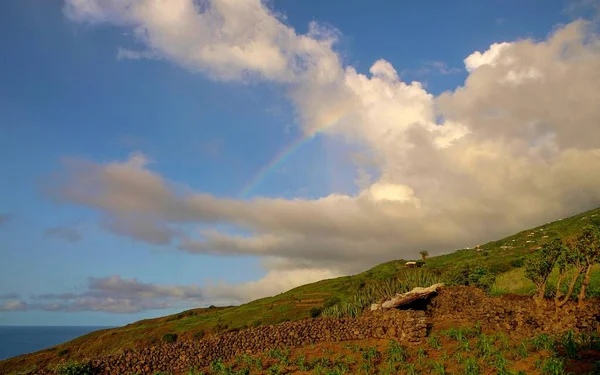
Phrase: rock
{"type": "Point", "coordinates": [413, 295]}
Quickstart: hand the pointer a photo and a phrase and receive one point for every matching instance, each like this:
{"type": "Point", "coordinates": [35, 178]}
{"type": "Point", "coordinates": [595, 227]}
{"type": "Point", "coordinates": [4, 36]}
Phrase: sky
{"type": "Point", "coordinates": [160, 155]}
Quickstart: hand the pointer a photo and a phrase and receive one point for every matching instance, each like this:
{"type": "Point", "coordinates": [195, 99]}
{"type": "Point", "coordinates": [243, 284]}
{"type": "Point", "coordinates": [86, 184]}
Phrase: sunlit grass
{"type": "Point", "coordinates": [515, 282]}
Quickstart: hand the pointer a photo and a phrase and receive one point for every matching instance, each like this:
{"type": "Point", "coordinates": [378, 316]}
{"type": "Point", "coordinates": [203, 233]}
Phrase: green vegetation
{"type": "Point", "coordinates": [538, 268]}
{"type": "Point", "coordinates": [572, 257]}
{"type": "Point", "coordinates": [381, 289]}
{"type": "Point", "coordinates": [170, 337]}
{"type": "Point", "coordinates": [73, 368]}
{"type": "Point", "coordinates": [477, 275]}
{"type": "Point", "coordinates": [501, 271]}
{"type": "Point", "coordinates": [460, 350]}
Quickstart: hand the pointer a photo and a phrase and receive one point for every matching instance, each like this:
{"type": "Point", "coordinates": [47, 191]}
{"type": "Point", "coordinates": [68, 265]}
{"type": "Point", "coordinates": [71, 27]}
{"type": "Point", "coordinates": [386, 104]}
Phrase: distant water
{"type": "Point", "coordinates": [17, 340]}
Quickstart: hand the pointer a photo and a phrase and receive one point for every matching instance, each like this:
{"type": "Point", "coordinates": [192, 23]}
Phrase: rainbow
{"type": "Point", "coordinates": [278, 160]}
{"type": "Point", "coordinates": [329, 119]}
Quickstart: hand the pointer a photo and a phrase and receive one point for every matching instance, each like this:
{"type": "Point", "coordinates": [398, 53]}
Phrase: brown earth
{"type": "Point", "coordinates": [517, 317]}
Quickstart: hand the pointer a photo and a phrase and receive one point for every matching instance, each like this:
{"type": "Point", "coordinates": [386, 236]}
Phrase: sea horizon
{"type": "Point", "coordinates": [17, 340]}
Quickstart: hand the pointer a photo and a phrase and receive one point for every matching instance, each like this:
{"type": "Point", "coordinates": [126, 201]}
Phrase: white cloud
{"type": "Point", "coordinates": [518, 144]}
{"type": "Point", "coordinates": [229, 39]}
{"type": "Point", "coordinates": [274, 282]}
{"type": "Point", "coordinates": [13, 305]}
{"type": "Point", "coordinates": [492, 57]}
{"type": "Point", "coordinates": [384, 70]}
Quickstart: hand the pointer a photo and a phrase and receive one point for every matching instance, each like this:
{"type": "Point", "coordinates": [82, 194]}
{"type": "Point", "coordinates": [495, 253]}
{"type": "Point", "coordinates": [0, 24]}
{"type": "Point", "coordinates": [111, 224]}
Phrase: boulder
{"type": "Point", "coordinates": [408, 297]}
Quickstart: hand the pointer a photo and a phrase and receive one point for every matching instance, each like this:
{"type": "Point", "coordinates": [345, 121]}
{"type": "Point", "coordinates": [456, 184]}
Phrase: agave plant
{"type": "Point", "coordinates": [381, 289]}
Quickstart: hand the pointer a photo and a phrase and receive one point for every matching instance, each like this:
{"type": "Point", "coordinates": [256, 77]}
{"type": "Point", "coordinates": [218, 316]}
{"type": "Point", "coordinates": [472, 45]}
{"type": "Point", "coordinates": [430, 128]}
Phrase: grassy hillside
{"type": "Point", "coordinates": [504, 254]}
{"type": "Point", "coordinates": [504, 257]}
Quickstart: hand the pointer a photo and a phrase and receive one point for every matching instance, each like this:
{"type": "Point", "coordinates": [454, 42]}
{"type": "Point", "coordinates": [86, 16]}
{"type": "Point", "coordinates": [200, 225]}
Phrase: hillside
{"type": "Point", "coordinates": [504, 257]}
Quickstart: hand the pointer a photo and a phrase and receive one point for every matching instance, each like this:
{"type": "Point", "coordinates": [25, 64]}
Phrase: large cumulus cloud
{"type": "Point", "coordinates": [517, 145]}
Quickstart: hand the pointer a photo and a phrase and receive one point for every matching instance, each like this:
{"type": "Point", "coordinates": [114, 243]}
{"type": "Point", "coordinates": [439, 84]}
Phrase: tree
{"type": "Point", "coordinates": [538, 268]}
{"type": "Point", "coordinates": [424, 255]}
{"type": "Point", "coordinates": [575, 257]}
{"type": "Point", "coordinates": [562, 264]}
{"type": "Point", "coordinates": [589, 243]}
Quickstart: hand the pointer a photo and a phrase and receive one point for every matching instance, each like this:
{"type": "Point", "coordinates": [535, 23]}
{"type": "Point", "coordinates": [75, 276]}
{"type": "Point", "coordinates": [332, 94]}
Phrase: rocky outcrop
{"type": "Point", "coordinates": [402, 299]}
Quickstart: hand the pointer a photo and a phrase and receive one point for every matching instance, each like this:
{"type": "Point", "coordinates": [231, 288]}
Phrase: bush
{"type": "Point", "coordinates": [470, 274]}
{"type": "Point", "coordinates": [481, 277]}
{"type": "Point", "coordinates": [170, 337]}
{"type": "Point", "coordinates": [315, 312]}
{"type": "Point", "coordinates": [517, 263]}
{"type": "Point", "coordinates": [458, 275]}
{"type": "Point", "coordinates": [331, 301]}
{"type": "Point", "coordinates": [74, 368]}
{"type": "Point", "coordinates": [200, 334]}
{"type": "Point", "coordinates": [62, 352]}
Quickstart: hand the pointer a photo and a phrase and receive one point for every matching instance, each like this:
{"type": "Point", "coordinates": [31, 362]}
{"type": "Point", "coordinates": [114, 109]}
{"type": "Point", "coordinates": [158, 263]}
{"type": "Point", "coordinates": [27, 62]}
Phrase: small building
{"type": "Point", "coordinates": [410, 264]}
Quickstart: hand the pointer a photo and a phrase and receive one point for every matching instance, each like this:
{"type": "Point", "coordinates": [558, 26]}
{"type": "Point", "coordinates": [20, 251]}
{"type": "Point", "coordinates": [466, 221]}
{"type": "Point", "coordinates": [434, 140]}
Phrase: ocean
{"type": "Point", "coordinates": [17, 340]}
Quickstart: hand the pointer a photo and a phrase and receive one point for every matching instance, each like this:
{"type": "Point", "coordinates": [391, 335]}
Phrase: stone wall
{"type": "Point", "coordinates": [405, 326]}
{"type": "Point", "coordinates": [515, 315]}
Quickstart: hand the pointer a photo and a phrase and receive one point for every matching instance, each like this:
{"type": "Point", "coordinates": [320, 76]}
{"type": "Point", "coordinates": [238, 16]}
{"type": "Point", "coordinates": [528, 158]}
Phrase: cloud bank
{"type": "Point", "coordinates": [517, 145]}
{"type": "Point", "coordinates": [118, 295]}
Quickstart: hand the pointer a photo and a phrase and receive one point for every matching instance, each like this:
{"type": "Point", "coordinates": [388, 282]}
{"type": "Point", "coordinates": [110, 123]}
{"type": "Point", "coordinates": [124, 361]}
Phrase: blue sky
{"type": "Point", "coordinates": [64, 96]}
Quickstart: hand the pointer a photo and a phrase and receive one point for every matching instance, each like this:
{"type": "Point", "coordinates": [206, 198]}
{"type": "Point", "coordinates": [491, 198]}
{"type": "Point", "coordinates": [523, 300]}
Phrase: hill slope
{"type": "Point", "coordinates": [501, 256]}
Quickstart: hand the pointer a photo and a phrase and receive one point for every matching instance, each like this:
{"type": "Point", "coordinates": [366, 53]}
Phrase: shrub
{"type": "Point", "coordinates": [315, 312]}
{"type": "Point", "coordinates": [170, 337]}
{"type": "Point", "coordinates": [331, 301]}
{"type": "Point", "coordinates": [469, 274]}
{"type": "Point", "coordinates": [62, 352]}
{"type": "Point", "coordinates": [517, 263]}
{"type": "Point", "coordinates": [74, 368]}
{"type": "Point", "coordinates": [200, 334]}
{"type": "Point", "coordinates": [458, 275]}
